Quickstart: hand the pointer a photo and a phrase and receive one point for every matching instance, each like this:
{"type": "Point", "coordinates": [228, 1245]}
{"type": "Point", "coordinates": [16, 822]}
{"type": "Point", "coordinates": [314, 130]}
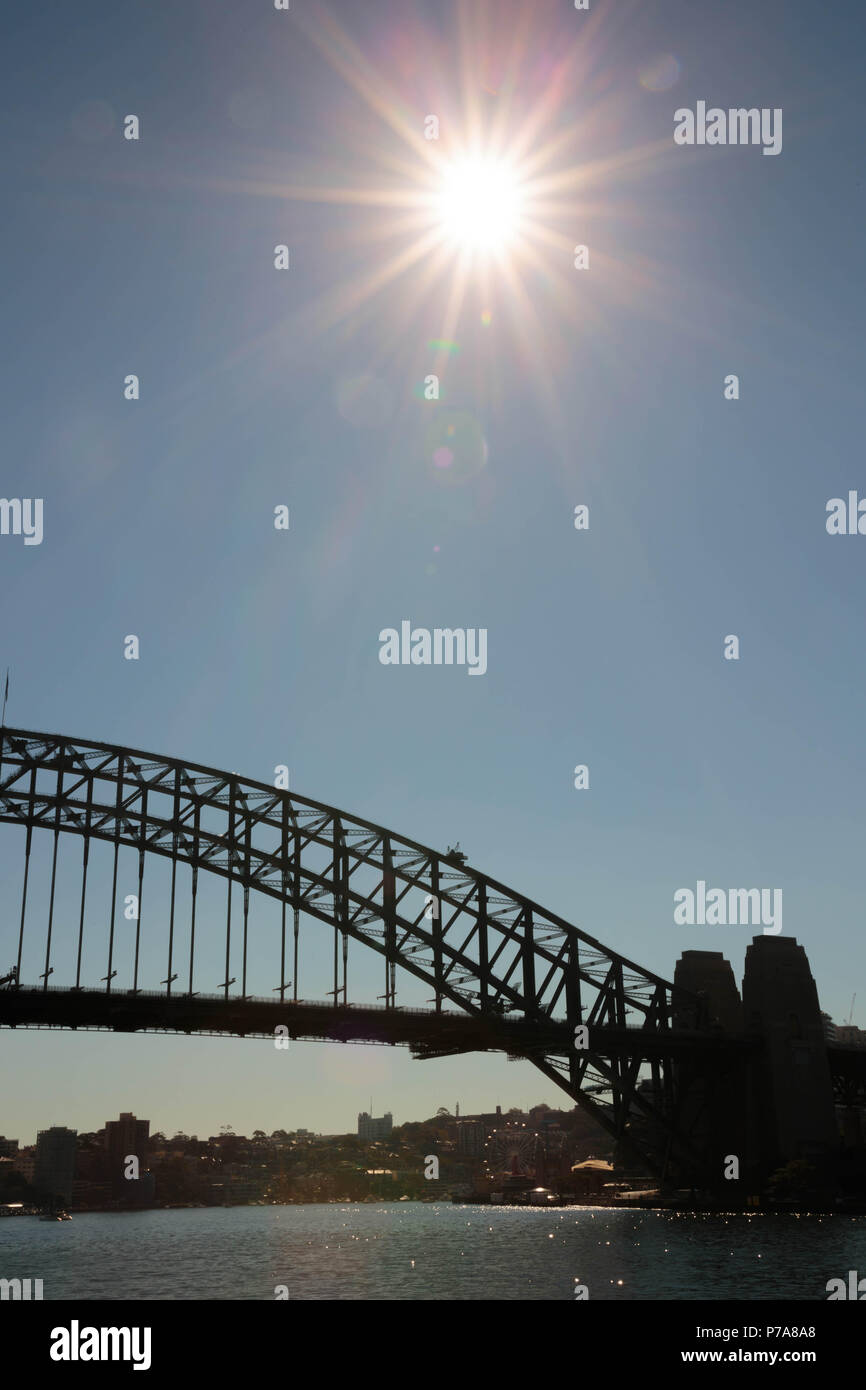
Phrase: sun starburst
{"type": "Point", "coordinates": [479, 204]}
{"type": "Point", "coordinates": [486, 209]}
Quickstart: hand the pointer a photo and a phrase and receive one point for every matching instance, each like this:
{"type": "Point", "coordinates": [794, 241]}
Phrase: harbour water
{"type": "Point", "coordinates": [420, 1251]}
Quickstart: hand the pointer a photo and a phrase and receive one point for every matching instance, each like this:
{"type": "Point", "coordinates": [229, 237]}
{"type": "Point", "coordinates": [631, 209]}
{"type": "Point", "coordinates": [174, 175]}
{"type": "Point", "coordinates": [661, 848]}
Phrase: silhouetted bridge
{"type": "Point", "coordinates": [505, 974]}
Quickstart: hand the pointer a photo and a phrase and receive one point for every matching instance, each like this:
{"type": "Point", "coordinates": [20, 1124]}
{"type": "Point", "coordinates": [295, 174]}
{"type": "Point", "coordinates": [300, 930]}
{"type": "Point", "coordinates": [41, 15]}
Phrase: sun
{"type": "Point", "coordinates": [477, 210]}
{"type": "Point", "coordinates": [479, 204]}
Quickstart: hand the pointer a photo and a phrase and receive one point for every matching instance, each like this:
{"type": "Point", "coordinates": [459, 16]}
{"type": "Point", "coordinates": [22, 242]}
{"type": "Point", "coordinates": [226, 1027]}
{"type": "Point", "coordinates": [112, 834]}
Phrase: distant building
{"type": "Point", "coordinates": [87, 1195]}
{"type": "Point", "coordinates": [7, 1168]}
{"type": "Point", "coordinates": [8, 1147]}
{"type": "Point", "coordinates": [124, 1137]}
{"type": "Point", "coordinates": [490, 1119]}
{"type": "Point", "coordinates": [591, 1176]}
{"type": "Point", "coordinates": [54, 1171]}
{"type": "Point", "coordinates": [25, 1164]}
{"type": "Point", "coordinates": [834, 1032]}
{"type": "Point", "coordinates": [472, 1130]}
{"type": "Point", "coordinates": [471, 1135]}
{"type": "Point", "coordinates": [372, 1128]}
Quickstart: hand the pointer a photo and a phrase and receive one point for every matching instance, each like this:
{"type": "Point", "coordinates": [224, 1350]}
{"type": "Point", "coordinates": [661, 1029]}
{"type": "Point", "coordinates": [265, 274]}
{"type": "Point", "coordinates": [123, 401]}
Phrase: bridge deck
{"type": "Point", "coordinates": [428, 1032]}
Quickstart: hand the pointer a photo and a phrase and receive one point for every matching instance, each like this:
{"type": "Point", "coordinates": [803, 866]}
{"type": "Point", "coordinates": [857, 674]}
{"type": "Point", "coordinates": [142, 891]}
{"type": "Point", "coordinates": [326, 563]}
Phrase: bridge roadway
{"type": "Point", "coordinates": [429, 1033]}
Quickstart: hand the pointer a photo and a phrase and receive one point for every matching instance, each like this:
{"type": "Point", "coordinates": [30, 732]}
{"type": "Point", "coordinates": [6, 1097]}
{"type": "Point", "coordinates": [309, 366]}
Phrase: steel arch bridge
{"type": "Point", "coordinates": [623, 1043]}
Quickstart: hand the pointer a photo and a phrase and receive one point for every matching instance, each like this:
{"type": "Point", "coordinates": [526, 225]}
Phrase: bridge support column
{"type": "Point", "coordinates": [791, 1110]}
{"type": "Point", "coordinates": [710, 1093]}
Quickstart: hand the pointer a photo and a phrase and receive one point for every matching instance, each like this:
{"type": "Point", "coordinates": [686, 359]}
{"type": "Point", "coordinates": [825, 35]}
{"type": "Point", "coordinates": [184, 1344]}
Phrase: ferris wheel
{"type": "Point", "coordinates": [512, 1150]}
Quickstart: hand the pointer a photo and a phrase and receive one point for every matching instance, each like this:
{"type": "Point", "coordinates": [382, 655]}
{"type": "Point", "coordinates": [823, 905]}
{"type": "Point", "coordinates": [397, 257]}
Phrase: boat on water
{"type": "Point", "coordinates": [55, 1216]}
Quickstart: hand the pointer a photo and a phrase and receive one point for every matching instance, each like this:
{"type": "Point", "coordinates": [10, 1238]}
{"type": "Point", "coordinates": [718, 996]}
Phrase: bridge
{"type": "Point", "coordinates": [648, 1058]}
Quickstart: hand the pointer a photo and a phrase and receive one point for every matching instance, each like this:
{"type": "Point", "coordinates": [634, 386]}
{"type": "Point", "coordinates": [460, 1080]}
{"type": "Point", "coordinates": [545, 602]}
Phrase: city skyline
{"type": "Point", "coordinates": [192, 1130]}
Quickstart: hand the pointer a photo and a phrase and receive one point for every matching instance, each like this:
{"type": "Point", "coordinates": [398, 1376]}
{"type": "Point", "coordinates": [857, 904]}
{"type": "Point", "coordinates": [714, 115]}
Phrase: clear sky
{"type": "Point", "coordinates": [601, 386]}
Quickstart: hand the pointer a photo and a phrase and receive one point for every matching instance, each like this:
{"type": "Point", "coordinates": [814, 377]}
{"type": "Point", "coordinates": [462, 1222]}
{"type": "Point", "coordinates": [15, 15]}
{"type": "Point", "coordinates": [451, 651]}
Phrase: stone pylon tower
{"type": "Point", "coordinates": [790, 1104]}
{"type": "Point", "coordinates": [712, 1090]}
{"type": "Point", "coordinates": [774, 1102]}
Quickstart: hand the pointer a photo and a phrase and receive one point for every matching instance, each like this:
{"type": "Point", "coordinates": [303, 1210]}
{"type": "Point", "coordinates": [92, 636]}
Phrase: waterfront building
{"type": "Point", "coordinates": [125, 1138]}
{"type": "Point", "coordinates": [54, 1171]}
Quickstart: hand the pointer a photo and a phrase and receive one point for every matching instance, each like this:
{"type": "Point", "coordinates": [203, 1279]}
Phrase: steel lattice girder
{"type": "Point", "coordinates": [473, 940]}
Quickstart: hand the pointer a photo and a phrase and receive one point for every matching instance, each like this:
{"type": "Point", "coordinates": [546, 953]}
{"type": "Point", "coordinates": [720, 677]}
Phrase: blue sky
{"type": "Point", "coordinates": [259, 647]}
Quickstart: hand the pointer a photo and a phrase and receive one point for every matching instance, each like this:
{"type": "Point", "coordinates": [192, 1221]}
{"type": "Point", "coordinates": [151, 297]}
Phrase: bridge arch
{"type": "Point", "coordinates": [498, 956]}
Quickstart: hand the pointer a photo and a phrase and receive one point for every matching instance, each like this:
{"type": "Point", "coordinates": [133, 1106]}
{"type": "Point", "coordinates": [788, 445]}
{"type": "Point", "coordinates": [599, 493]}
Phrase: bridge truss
{"type": "Point", "coordinates": [521, 979]}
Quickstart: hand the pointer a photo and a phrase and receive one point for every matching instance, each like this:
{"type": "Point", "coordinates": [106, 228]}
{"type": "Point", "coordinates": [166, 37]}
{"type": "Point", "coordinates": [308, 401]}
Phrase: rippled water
{"type": "Point", "coordinates": [419, 1251]}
